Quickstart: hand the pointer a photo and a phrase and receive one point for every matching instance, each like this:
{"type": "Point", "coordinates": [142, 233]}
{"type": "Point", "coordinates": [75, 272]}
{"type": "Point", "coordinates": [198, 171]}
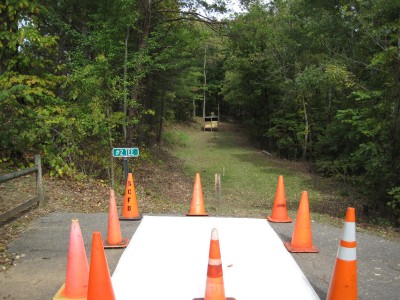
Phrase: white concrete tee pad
{"type": "Point", "coordinates": [167, 258]}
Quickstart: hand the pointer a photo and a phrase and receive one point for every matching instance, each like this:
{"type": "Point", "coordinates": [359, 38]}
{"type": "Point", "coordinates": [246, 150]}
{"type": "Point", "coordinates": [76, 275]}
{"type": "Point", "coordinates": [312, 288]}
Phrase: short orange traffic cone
{"type": "Point", "coordinates": [114, 239]}
{"type": "Point", "coordinates": [343, 284]}
{"type": "Point", "coordinates": [100, 286]}
{"type": "Point", "coordinates": [130, 209]}
{"type": "Point", "coordinates": [302, 237]}
{"type": "Point", "coordinates": [279, 210]}
{"type": "Point", "coordinates": [215, 282]}
{"type": "Point", "coordinates": [215, 289]}
{"type": "Point", "coordinates": [197, 205]}
{"type": "Point", "coordinates": [76, 282]}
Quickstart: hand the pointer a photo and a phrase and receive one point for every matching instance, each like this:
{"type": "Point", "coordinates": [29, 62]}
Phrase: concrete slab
{"type": "Point", "coordinates": [168, 257]}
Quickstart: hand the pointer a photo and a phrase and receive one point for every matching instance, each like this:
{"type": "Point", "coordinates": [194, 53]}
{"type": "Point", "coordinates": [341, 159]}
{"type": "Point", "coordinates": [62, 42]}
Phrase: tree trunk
{"type": "Point", "coordinates": [125, 83]}
{"type": "Point", "coordinates": [306, 131]}
{"type": "Point", "coordinates": [144, 25]}
{"type": "Point", "coordinates": [204, 84]}
{"type": "Point", "coordinates": [160, 125]}
{"type": "Point", "coordinates": [110, 139]}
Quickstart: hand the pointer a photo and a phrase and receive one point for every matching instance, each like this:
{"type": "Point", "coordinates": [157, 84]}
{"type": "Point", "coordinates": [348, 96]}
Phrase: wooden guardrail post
{"type": "Point", "coordinates": [218, 187]}
{"type": "Point", "coordinates": [39, 198]}
{"type": "Point", "coordinates": [39, 182]}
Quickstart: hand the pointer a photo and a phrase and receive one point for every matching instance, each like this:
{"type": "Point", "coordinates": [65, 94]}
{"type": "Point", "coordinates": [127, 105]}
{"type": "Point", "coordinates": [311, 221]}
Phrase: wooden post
{"type": "Point", "coordinates": [204, 85]}
{"type": "Point", "coordinates": [39, 182]}
{"type": "Point", "coordinates": [218, 187]}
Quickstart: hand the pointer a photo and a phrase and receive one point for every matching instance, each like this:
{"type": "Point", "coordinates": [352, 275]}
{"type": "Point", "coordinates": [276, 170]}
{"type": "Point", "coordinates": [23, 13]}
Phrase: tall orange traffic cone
{"type": "Point", "coordinates": [302, 237]}
{"type": "Point", "coordinates": [100, 286]}
{"type": "Point", "coordinates": [130, 209]}
{"type": "Point", "coordinates": [279, 210]}
{"type": "Point", "coordinates": [343, 284]}
{"type": "Point", "coordinates": [114, 238]}
{"type": "Point", "coordinates": [76, 282]}
{"type": "Point", "coordinates": [197, 205]}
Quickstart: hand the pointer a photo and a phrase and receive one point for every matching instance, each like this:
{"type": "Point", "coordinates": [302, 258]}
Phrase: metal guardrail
{"type": "Point", "coordinates": [39, 189]}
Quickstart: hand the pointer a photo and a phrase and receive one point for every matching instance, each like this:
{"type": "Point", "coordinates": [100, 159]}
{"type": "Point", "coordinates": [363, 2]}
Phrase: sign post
{"type": "Point", "coordinates": [125, 153]}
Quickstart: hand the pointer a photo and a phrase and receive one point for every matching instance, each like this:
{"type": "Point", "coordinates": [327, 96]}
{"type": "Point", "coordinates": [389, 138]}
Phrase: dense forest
{"type": "Point", "coordinates": [311, 80]}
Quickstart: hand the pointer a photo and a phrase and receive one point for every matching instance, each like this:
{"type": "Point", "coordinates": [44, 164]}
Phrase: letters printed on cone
{"type": "Point", "coordinates": [130, 209]}
{"type": "Point", "coordinates": [279, 210]}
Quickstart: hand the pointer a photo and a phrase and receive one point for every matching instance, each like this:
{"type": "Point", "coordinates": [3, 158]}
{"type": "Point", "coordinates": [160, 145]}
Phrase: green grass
{"type": "Point", "coordinates": [249, 178]}
{"type": "Point", "coordinates": [175, 138]}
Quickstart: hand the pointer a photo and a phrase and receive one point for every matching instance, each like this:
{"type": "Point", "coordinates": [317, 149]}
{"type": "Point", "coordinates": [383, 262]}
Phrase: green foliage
{"type": "Point", "coordinates": [30, 110]}
{"type": "Point", "coordinates": [175, 138]}
{"type": "Point", "coordinates": [320, 80]}
{"type": "Point", "coordinates": [287, 137]}
{"type": "Point", "coordinates": [120, 74]}
{"type": "Point", "coordinates": [309, 79]}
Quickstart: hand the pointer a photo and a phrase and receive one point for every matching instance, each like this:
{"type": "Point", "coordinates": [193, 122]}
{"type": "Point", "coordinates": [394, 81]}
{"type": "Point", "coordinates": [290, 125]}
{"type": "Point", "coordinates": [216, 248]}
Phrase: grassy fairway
{"type": "Point", "coordinates": [248, 176]}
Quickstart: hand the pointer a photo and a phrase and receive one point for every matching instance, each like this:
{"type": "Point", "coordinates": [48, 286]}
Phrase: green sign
{"type": "Point", "coordinates": [125, 152]}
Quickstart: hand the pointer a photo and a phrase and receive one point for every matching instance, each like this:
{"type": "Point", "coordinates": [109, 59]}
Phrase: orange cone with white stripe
{"type": "Point", "coordinates": [130, 209]}
{"type": "Point", "coordinates": [197, 205]}
{"type": "Point", "coordinates": [76, 281]}
{"type": "Point", "coordinates": [279, 210]}
{"type": "Point", "coordinates": [114, 238]}
{"type": "Point", "coordinates": [343, 284]}
{"type": "Point", "coordinates": [302, 237]}
{"type": "Point", "coordinates": [215, 289]}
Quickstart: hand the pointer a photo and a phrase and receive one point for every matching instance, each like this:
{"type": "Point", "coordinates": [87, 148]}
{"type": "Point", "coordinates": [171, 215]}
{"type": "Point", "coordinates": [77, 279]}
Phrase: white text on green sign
{"type": "Point", "coordinates": [125, 152]}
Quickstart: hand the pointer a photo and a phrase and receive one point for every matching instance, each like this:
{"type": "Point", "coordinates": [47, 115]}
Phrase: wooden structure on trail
{"type": "Point", "coordinates": [39, 198]}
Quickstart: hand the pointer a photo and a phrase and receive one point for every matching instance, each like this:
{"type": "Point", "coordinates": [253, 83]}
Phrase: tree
{"type": "Point", "coordinates": [319, 80]}
{"type": "Point", "coordinates": [29, 107]}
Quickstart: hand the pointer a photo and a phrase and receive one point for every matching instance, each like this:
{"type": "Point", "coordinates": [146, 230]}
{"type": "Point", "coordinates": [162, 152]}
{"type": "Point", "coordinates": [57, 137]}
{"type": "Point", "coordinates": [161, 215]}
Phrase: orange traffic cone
{"type": "Point", "coordinates": [279, 211]}
{"type": "Point", "coordinates": [114, 239]}
{"type": "Point", "coordinates": [100, 286]}
{"type": "Point", "coordinates": [215, 282]}
{"type": "Point", "coordinates": [76, 282]}
{"type": "Point", "coordinates": [343, 284]}
{"type": "Point", "coordinates": [130, 209]}
{"type": "Point", "coordinates": [302, 237]}
{"type": "Point", "coordinates": [215, 289]}
{"type": "Point", "coordinates": [197, 205]}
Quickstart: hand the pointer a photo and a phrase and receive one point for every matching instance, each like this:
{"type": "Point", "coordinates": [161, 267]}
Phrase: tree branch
{"type": "Point", "coordinates": [356, 61]}
{"type": "Point", "coordinates": [190, 16]}
{"type": "Point", "coordinates": [190, 13]}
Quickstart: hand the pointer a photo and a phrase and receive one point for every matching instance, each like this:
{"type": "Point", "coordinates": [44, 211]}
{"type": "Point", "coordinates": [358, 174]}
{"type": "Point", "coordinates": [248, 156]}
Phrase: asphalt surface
{"type": "Point", "coordinates": [42, 249]}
